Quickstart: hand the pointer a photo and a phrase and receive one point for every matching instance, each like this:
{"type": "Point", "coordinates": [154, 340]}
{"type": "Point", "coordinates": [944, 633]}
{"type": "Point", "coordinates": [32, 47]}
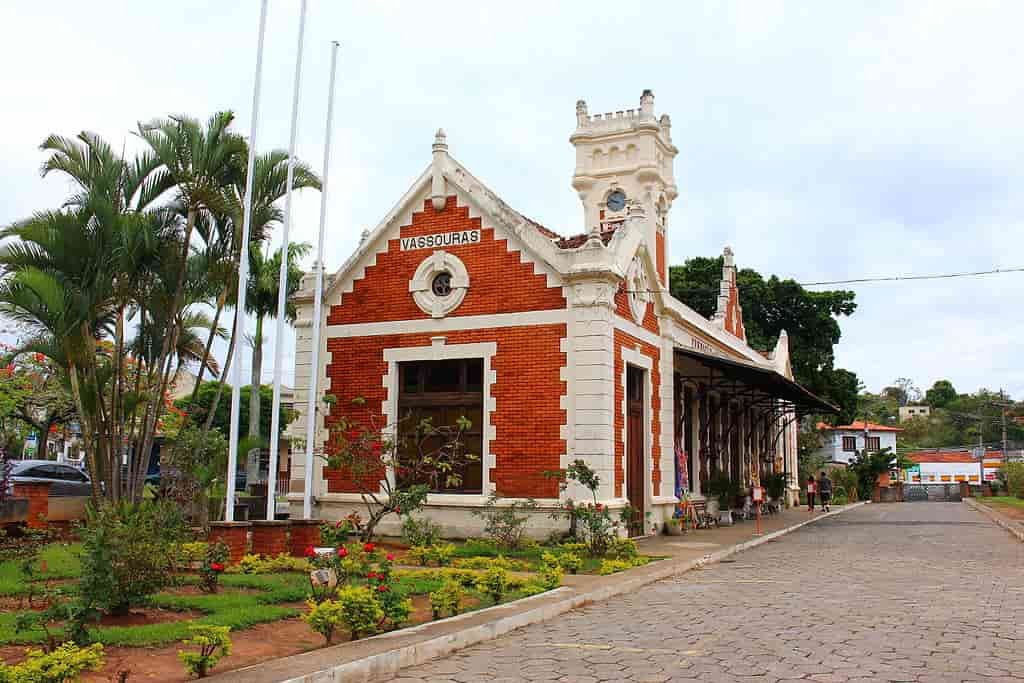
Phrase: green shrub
{"type": "Point", "coordinates": [488, 562]}
{"type": "Point", "coordinates": [213, 643]}
{"type": "Point", "coordinates": [505, 524]}
{"type": "Point", "coordinates": [194, 551]}
{"type": "Point", "coordinates": [442, 554]}
{"type": "Point", "coordinates": [421, 531]}
{"type": "Point", "coordinates": [213, 566]}
{"type": "Point", "coordinates": [1014, 472]}
{"type": "Point", "coordinates": [444, 602]}
{"type": "Point", "coordinates": [420, 554]}
{"type": "Point", "coordinates": [570, 562]}
{"type": "Point", "coordinates": [494, 582]}
{"type": "Point", "coordinates": [613, 566]}
{"type": "Point", "coordinates": [129, 552]}
{"type": "Point", "coordinates": [550, 574]}
{"type": "Point", "coordinates": [281, 564]}
{"type": "Point", "coordinates": [577, 548]}
{"type": "Point", "coordinates": [360, 611]}
{"type": "Point", "coordinates": [324, 618]}
{"type": "Point", "coordinates": [623, 549]}
{"type": "Point", "coordinates": [65, 663]}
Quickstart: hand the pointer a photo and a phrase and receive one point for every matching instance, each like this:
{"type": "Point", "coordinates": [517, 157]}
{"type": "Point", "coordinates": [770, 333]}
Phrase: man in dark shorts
{"type": "Point", "coordinates": [825, 492]}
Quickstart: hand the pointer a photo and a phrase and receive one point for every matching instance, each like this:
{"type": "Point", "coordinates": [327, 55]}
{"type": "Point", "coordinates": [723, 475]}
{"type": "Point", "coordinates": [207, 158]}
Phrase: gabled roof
{"type": "Point", "coordinates": [857, 426]}
{"type": "Point", "coordinates": [606, 251]}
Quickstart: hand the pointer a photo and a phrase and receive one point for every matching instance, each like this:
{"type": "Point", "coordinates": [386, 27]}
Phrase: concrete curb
{"type": "Point", "coordinates": [1000, 520]}
{"type": "Point", "coordinates": [413, 654]}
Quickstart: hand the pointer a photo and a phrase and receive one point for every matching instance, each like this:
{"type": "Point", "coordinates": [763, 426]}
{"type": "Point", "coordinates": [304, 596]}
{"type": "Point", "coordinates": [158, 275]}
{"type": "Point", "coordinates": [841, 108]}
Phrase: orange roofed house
{"type": "Point", "coordinates": [555, 348]}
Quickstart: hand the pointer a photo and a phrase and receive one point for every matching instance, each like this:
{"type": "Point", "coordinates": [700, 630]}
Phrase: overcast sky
{"type": "Point", "coordinates": [822, 141]}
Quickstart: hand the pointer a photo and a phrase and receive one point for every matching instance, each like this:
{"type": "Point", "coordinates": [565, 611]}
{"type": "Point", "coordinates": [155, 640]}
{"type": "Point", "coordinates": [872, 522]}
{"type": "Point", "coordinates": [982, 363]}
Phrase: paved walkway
{"type": "Point", "coordinates": [901, 592]}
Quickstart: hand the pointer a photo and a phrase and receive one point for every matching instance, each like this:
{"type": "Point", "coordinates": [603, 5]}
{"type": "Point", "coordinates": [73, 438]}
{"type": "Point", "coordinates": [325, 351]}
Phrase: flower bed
{"type": "Point", "coordinates": [267, 611]}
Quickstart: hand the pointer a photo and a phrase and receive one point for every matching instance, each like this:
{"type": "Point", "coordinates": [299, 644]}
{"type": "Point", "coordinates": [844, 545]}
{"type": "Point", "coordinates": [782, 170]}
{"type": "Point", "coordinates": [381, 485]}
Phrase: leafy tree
{"type": "Point", "coordinates": [772, 305]}
{"type": "Point", "coordinates": [261, 300]}
{"type": "Point", "coordinates": [869, 465]}
{"type": "Point", "coordinates": [941, 394]}
{"type": "Point", "coordinates": [199, 409]}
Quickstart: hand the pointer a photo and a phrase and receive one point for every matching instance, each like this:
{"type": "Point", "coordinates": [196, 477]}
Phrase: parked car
{"type": "Point", "coordinates": [64, 480]}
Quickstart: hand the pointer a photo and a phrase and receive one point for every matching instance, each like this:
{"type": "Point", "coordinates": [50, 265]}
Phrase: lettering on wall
{"type": "Point", "coordinates": [443, 239]}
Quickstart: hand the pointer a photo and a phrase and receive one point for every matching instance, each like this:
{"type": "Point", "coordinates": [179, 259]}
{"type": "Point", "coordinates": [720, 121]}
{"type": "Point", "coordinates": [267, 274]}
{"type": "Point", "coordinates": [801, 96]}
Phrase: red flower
{"type": "Point", "coordinates": [338, 525]}
{"type": "Point", "coordinates": [382, 588]}
{"type": "Point", "coordinates": [398, 511]}
{"type": "Point", "coordinates": [372, 575]}
{"type": "Point", "coordinates": [390, 557]}
{"type": "Point", "coordinates": [310, 551]}
{"type": "Point", "coordinates": [598, 507]}
{"type": "Point", "coordinates": [368, 548]}
{"type": "Point", "coordinates": [342, 551]}
{"type": "Point", "coordinates": [216, 566]}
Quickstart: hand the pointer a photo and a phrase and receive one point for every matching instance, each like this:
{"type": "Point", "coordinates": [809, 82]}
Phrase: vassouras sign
{"type": "Point", "coordinates": [442, 239]}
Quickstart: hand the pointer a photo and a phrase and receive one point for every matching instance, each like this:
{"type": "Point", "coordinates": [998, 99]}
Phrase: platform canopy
{"type": "Point", "coordinates": [737, 377]}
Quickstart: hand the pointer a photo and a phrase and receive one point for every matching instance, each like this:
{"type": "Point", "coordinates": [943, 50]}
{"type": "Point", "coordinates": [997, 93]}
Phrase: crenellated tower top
{"type": "Point", "coordinates": [623, 157]}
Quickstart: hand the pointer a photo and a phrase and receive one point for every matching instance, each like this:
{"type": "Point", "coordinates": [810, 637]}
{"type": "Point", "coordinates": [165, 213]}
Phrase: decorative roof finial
{"type": "Point", "coordinates": [437, 168]}
{"type": "Point", "coordinates": [647, 104]}
{"type": "Point", "coordinates": [440, 141]}
{"type": "Point", "coordinates": [581, 113]}
{"type": "Point", "coordinates": [365, 235]}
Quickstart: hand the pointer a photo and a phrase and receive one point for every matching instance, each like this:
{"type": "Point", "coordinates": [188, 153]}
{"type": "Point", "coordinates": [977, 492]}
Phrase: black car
{"type": "Point", "coordinates": [64, 480]}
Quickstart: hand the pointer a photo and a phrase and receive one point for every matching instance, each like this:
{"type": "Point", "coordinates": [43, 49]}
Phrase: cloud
{"type": "Point", "coordinates": [819, 140]}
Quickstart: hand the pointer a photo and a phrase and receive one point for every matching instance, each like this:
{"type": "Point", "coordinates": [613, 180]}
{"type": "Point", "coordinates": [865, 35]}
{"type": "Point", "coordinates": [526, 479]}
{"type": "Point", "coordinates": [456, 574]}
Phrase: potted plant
{"type": "Point", "coordinates": [775, 487]}
{"type": "Point", "coordinates": [721, 491]}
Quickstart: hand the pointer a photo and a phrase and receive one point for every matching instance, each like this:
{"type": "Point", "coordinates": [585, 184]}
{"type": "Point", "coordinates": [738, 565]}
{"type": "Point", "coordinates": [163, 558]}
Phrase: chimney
{"type": "Point", "coordinates": [647, 105]}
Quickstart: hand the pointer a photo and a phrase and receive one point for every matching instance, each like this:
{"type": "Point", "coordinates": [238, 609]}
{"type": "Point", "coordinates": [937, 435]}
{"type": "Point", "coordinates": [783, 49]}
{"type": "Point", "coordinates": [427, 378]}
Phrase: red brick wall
{"type": "Point", "coordinates": [654, 353]}
{"type": "Point", "coordinates": [650, 321]}
{"type": "Point", "coordinates": [527, 392]}
{"type": "Point", "coordinates": [498, 281]}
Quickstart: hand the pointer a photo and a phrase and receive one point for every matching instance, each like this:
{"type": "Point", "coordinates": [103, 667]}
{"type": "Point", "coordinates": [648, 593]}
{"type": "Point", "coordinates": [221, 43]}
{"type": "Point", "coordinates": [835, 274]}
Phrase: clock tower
{"type": "Point", "coordinates": [626, 157]}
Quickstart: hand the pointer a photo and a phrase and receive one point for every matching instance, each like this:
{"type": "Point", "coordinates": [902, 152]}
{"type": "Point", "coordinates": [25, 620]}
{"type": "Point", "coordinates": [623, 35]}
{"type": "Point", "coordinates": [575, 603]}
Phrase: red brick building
{"type": "Point", "coordinates": [556, 348]}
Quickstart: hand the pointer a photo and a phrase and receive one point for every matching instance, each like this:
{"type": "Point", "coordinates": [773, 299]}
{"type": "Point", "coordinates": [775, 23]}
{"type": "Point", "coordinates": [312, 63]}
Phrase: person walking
{"type": "Point", "coordinates": [811, 486]}
{"type": "Point", "coordinates": [825, 492]}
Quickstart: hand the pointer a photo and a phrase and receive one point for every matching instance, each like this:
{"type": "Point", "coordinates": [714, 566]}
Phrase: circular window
{"type": "Point", "coordinates": [441, 286]}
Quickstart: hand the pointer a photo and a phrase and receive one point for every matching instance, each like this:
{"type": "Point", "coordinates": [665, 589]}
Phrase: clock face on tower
{"type": "Point", "coordinates": [616, 201]}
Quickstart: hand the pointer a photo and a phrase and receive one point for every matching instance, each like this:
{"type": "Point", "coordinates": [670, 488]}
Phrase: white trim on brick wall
{"type": "Point", "coordinates": [439, 350]}
{"type": "Point", "coordinates": [450, 324]}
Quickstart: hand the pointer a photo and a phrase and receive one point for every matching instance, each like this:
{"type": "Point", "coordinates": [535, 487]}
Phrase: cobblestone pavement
{"type": "Point", "coordinates": [902, 592]}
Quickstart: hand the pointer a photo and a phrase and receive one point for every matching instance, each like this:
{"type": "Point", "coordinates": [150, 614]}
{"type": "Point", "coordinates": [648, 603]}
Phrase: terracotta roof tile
{"type": "Point", "coordinates": [857, 426]}
{"type": "Point", "coordinates": [941, 456]}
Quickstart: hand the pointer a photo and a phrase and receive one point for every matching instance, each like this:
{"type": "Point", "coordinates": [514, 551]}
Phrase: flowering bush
{"type": "Point", "coordinates": [213, 643]}
{"type": "Point", "coordinates": [324, 618]}
{"type": "Point", "coordinates": [494, 582]}
{"type": "Point", "coordinates": [444, 602]}
{"type": "Point", "coordinates": [63, 664]}
{"type": "Point", "coordinates": [194, 551]}
{"type": "Point", "coordinates": [258, 564]}
{"type": "Point", "coordinates": [591, 522]}
{"type": "Point", "coordinates": [439, 554]}
{"type": "Point", "coordinates": [335, 534]}
{"type": "Point", "coordinates": [613, 566]}
{"type": "Point", "coordinates": [214, 562]}
{"type": "Point", "coordinates": [623, 549]}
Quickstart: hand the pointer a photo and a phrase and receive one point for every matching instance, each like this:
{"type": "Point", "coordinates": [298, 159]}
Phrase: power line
{"type": "Point", "coordinates": [895, 278]}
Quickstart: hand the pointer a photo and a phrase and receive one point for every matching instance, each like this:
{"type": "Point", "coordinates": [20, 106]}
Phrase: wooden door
{"type": "Point", "coordinates": [635, 471]}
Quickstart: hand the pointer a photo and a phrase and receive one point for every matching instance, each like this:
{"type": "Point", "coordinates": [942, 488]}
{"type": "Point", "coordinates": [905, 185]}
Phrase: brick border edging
{"type": "Point", "coordinates": [414, 654]}
{"type": "Point", "coordinates": [996, 517]}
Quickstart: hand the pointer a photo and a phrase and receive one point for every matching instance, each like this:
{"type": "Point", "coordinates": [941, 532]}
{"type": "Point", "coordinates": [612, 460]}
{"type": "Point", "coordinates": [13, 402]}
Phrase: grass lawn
{"type": "Point", "coordinates": [1007, 501]}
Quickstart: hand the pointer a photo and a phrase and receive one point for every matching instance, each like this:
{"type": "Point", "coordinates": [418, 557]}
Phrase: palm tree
{"type": "Point", "coordinates": [201, 162]}
{"type": "Point", "coordinates": [261, 301]}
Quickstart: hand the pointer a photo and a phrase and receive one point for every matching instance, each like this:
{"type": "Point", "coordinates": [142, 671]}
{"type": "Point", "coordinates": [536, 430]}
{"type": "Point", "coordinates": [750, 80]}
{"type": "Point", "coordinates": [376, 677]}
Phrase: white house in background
{"type": "Point", "coordinates": [840, 444]}
{"type": "Point", "coordinates": [941, 466]}
{"type": "Point", "coordinates": [910, 412]}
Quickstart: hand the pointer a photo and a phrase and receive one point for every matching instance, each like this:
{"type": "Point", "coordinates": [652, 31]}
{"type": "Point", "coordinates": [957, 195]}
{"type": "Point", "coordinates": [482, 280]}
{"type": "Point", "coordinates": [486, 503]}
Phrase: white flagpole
{"type": "Point", "coordinates": [318, 265]}
{"type": "Point", "coordinates": [282, 284]}
{"type": "Point", "coordinates": [243, 277]}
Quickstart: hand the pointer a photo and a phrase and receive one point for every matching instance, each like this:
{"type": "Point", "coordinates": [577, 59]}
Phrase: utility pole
{"type": "Point", "coordinates": [1002, 411]}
